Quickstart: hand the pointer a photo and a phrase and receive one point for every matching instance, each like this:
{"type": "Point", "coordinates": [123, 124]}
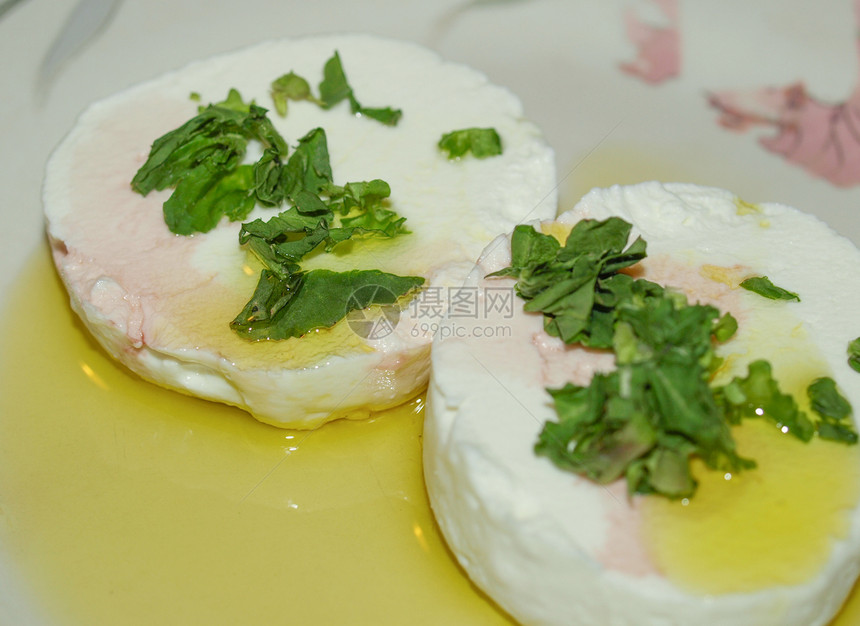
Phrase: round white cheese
{"type": "Point", "coordinates": [552, 547]}
{"type": "Point", "coordinates": [162, 303]}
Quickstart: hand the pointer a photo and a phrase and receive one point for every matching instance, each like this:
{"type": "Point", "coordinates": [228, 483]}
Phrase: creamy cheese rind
{"type": "Point", "coordinates": [161, 303]}
{"type": "Point", "coordinates": [553, 548]}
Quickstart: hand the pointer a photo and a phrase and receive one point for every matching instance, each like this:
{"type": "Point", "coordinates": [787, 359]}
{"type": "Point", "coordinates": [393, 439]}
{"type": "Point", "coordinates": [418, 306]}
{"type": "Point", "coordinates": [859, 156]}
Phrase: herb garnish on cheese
{"type": "Point", "coordinates": [334, 88]}
{"type": "Point", "coordinates": [647, 419]}
{"type": "Point", "coordinates": [202, 161]}
{"type": "Point", "coordinates": [481, 142]}
{"type": "Point", "coordinates": [854, 354]}
{"type": "Point", "coordinates": [763, 286]}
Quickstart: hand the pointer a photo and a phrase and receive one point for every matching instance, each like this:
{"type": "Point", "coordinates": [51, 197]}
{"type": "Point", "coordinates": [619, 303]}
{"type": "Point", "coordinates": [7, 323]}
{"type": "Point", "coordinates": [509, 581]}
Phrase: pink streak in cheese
{"type": "Point", "coordinates": [94, 257]}
{"type": "Point", "coordinates": [624, 549]}
{"type": "Point", "coordinates": [561, 363]}
{"type": "Point", "coordinates": [699, 288]}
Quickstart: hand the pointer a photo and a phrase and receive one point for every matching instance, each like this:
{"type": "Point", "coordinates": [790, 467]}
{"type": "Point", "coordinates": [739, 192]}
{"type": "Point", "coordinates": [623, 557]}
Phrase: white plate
{"type": "Point", "coordinates": [563, 58]}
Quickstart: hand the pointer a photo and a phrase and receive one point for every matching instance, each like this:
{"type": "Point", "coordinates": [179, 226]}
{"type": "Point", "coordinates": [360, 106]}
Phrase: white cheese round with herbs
{"type": "Point", "coordinates": [162, 303]}
{"type": "Point", "coordinates": [778, 544]}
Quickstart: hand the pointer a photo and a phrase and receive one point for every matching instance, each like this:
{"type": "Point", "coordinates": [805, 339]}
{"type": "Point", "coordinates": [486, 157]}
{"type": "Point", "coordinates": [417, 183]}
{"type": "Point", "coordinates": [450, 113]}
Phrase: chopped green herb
{"type": "Point", "coordinates": [647, 419]}
{"type": "Point", "coordinates": [641, 422]}
{"type": "Point", "coordinates": [763, 287]}
{"type": "Point", "coordinates": [281, 305]}
{"type": "Point", "coordinates": [837, 431]}
{"type": "Point", "coordinates": [363, 207]}
{"type": "Point", "coordinates": [201, 159]}
{"type": "Point", "coordinates": [565, 283]}
{"type": "Point", "coordinates": [758, 395]}
{"type": "Point", "coordinates": [201, 199]}
{"type": "Point", "coordinates": [215, 135]}
{"type": "Point", "coordinates": [854, 354]}
{"type": "Point", "coordinates": [826, 400]}
{"type": "Point", "coordinates": [725, 328]}
{"type": "Point", "coordinates": [288, 301]}
{"type": "Point", "coordinates": [481, 142]}
{"type": "Point", "coordinates": [280, 309]}
{"type": "Point", "coordinates": [290, 87]}
{"type": "Point", "coordinates": [308, 168]}
{"type": "Point", "coordinates": [234, 102]}
{"type": "Point", "coordinates": [335, 88]}
{"type": "Point", "coordinates": [196, 156]}
{"type": "Point", "coordinates": [833, 410]}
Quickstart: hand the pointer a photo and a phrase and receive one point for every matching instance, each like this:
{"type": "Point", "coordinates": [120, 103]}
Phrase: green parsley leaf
{"type": "Point", "coordinates": [282, 254]}
{"type": "Point", "coordinates": [258, 126]}
{"type": "Point", "coordinates": [290, 86]}
{"type": "Point", "coordinates": [827, 401]}
{"type": "Point", "coordinates": [279, 226]}
{"type": "Point", "coordinates": [304, 301]}
{"type": "Point", "coordinates": [362, 196]}
{"type": "Point", "coordinates": [213, 137]}
{"type": "Point", "coordinates": [481, 142]}
{"type": "Point", "coordinates": [604, 446]}
{"type": "Point", "coordinates": [725, 328]}
{"type": "Point", "coordinates": [837, 431]}
{"type": "Point", "coordinates": [363, 206]}
{"type": "Point", "coordinates": [201, 160]}
{"type": "Point", "coordinates": [203, 197]}
{"type": "Point", "coordinates": [194, 205]}
{"type": "Point", "coordinates": [529, 249]}
{"type": "Point", "coordinates": [563, 282]}
{"type": "Point", "coordinates": [234, 102]}
{"type": "Point", "coordinates": [763, 287]}
{"type": "Point", "coordinates": [267, 179]}
{"type": "Point", "coordinates": [384, 115]}
{"type": "Point", "coordinates": [307, 169]}
{"type": "Point", "coordinates": [833, 410]}
{"type": "Point", "coordinates": [335, 88]}
{"type": "Point", "coordinates": [758, 395]}
{"type": "Point", "coordinates": [854, 354]}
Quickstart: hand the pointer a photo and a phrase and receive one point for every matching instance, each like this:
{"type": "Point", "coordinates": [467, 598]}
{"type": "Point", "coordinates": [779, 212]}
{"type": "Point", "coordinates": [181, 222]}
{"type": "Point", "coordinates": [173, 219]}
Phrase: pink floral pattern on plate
{"type": "Point", "coordinates": [821, 138]}
{"type": "Point", "coordinates": [658, 46]}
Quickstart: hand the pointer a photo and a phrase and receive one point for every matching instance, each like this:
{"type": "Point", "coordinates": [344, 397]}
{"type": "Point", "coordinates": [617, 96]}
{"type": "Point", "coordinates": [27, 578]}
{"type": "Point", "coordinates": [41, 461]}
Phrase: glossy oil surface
{"type": "Point", "coordinates": [124, 503]}
{"type": "Point", "coordinates": [760, 528]}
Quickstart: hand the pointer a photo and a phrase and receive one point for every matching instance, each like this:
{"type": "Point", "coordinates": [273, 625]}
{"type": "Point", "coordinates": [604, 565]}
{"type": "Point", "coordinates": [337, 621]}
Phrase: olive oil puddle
{"type": "Point", "coordinates": [773, 525]}
{"type": "Point", "coordinates": [124, 503]}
